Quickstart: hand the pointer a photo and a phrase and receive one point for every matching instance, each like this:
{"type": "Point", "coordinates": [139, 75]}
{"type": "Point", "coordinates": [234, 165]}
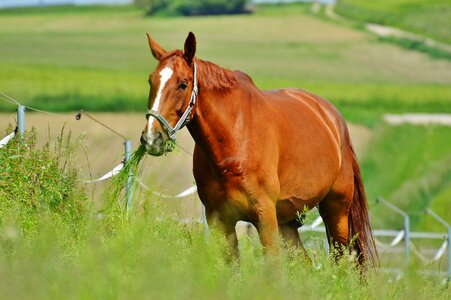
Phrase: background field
{"type": "Point", "coordinates": [96, 58]}
{"type": "Point", "coordinates": [430, 18]}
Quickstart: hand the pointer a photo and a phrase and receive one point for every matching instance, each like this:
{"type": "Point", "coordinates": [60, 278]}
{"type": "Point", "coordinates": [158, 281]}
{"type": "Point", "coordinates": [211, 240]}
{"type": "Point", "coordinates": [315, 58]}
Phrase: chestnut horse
{"type": "Point", "coordinates": [259, 156]}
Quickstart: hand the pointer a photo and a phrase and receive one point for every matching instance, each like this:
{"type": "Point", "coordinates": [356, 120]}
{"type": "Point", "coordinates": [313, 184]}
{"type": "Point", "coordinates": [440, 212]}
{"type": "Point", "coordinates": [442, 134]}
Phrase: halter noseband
{"type": "Point", "coordinates": [184, 120]}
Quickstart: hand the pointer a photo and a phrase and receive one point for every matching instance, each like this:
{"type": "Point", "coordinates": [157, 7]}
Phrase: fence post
{"type": "Point", "coordinates": [128, 184]}
{"type": "Point", "coordinates": [449, 253]}
{"type": "Point", "coordinates": [205, 223]}
{"type": "Point", "coordinates": [406, 226]}
{"type": "Point", "coordinates": [21, 120]}
{"type": "Point", "coordinates": [444, 223]}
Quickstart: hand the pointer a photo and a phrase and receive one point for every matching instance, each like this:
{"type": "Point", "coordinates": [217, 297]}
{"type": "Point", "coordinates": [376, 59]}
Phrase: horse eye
{"type": "Point", "coordinates": [183, 86]}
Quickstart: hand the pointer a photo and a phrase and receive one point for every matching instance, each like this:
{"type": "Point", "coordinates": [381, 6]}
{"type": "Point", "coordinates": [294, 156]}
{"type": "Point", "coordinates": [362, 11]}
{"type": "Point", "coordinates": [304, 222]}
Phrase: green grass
{"type": "Point", "coordinates": [439, 203]}
{"type": "Point", "coordinates": [430, 18]}
{"type": "Point", "coordinates": [410, 167]}
{"type": "Point", "coordinates": [149, 253]}
{"type": "Point", "coordinates": [39, 182]}
{"type": "Point", "coordinates": [417, 45]}
{"type": "Point", "coordinates": [67, 58]}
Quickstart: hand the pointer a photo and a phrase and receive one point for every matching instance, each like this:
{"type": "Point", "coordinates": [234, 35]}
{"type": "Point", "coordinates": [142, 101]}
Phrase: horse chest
{"type": "Point", "coordinates": [222, 186]}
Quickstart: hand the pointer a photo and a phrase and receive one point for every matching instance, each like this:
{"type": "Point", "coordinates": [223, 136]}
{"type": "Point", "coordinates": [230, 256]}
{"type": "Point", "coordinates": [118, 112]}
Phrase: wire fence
{"type": "Point", "coordinates": [20, 129]}
{"type": "Point", "coordinates": [398, 237]}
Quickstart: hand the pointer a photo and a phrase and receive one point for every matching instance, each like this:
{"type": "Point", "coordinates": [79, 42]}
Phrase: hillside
{"type": "Point", "coordinates": [96, 58]}
{"type": "Point", "coordinates": [430, 18]}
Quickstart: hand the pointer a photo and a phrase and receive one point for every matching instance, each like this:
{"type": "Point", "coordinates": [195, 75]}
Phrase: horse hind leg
{"type": "Point", "coordinates": [334, 211]}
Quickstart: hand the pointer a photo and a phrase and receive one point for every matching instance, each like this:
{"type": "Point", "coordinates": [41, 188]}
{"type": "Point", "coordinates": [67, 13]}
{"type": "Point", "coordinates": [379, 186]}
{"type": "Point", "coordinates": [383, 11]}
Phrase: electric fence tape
{"type": "Point", "coordinates": [7, 138]}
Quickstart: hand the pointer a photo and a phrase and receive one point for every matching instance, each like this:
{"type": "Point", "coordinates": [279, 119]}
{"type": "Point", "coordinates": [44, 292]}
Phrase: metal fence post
{"type": "Point", "coordinates": [128, 184]}
{"type": "Point", "coordinates": [406, 226]}
{"type": "Point", "coordinates": [448, 239]}
{"type": "Point", "coordinates": [205, 223]}
{"type": "Point", "coordinates": [21, 120]}
{"type": "Point", "coordinates": [449, 253]}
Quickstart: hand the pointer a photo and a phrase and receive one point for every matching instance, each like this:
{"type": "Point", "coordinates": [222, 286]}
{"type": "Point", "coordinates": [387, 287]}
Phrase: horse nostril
{"type": "Point", "coordinates": [158, 135]}
{"type": "Point", "coordinates": [143, 141]}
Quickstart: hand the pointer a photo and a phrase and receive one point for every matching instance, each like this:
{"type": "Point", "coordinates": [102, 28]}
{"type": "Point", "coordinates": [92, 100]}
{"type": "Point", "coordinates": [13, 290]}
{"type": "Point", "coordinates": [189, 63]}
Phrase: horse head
{"type": "Point", "coordinates": [173, 90]}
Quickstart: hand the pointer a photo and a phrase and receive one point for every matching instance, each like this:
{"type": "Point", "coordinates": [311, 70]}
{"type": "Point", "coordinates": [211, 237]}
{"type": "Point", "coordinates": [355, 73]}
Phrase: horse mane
{"type": "Point", "coordinates": [210, 76]}
{"type": "Point", "coordinates": [213, 77]}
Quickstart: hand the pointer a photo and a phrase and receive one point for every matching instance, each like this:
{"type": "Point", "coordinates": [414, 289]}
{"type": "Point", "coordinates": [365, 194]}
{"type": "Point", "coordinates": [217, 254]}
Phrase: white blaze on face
{"type": "Point", "coordinates": [165, 75]}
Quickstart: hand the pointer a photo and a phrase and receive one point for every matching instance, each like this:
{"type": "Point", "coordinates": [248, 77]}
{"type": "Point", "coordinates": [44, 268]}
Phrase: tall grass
{"type": "Point", "coordinates": [40, 181]}
{"type": "Point", "coordinates": [72, 251]}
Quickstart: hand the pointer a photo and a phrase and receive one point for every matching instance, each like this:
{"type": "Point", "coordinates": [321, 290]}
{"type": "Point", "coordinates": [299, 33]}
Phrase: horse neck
{"type": "Point", "coordinates": [213, 122]}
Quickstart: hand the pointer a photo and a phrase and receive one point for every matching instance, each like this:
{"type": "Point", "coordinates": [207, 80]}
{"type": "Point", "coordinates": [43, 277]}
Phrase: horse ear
{"type": "Point", "coordinates": [156, 49]}
{"type": "Point", "coordinates": [190, 48]}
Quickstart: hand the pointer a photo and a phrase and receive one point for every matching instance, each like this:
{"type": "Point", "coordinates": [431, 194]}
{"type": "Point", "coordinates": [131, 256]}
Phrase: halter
{"type": "Point", "coordinates": [184, 120]}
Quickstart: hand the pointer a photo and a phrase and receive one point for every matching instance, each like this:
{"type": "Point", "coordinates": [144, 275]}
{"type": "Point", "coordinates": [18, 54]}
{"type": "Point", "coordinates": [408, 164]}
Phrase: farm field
{"type": "Point", "coordinates": [65, 58]}
{"type": "Point", "coordinates": [425, 17]}
{"type": "Point", "coordinates": [61, 238]}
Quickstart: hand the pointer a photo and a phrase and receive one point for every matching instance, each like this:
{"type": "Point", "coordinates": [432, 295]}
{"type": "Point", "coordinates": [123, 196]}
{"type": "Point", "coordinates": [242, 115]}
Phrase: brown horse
{"type": "Point", "coordinates": [260, 156]}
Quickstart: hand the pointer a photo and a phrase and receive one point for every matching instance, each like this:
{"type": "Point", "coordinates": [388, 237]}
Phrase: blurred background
{"type": "Point", "coordinates": [369, 58]}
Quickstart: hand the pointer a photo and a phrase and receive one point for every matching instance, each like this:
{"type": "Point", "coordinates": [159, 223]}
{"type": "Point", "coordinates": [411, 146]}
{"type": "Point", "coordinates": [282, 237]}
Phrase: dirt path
{"type": "Point", "coordinates": [418, 119]}
{"type": "Point", "coordinates": [388, 31]}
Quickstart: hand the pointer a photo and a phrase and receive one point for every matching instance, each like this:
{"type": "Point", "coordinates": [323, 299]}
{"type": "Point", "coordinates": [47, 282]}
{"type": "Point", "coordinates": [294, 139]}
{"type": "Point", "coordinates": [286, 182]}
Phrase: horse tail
{"type": "Point", "coordinates": [359, 223]}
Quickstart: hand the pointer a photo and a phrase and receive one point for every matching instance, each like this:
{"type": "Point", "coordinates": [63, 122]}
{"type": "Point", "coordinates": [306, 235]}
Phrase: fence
{"type": "Point", "coordinates": [20, 129]}
{"type": "Point", "coordinates": [397, 236]}
{"type": "Point", "coordinates": [128, 186]}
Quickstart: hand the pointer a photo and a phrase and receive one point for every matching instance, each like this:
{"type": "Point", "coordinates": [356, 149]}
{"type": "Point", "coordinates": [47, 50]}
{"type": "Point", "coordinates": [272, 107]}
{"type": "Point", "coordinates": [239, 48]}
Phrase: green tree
{"type": "Point", "coordinates": [193, 7]}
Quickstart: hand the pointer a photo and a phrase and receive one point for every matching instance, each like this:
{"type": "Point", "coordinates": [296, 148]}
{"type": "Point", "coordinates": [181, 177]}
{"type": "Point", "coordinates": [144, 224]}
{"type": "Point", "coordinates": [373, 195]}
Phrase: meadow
{"type": "Point", "coordinates": [60, 239]}
{"type": "Point", "coordinates": [53, 244]}
{"type": "Point", "coordinates": [430, 18]}
{"type": "Point", "coordinates": [65, 58]}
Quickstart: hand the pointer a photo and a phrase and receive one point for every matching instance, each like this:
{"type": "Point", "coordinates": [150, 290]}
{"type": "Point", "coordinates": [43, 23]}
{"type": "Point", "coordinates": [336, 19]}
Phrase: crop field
{"type": "Point", "coordinates": [62, 238]}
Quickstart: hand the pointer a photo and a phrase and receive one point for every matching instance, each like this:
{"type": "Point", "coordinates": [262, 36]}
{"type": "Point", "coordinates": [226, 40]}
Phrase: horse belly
{"type": "Point", "coordinates": [289, 209]}
{"type": "Point", "coordinates": [308, 164]}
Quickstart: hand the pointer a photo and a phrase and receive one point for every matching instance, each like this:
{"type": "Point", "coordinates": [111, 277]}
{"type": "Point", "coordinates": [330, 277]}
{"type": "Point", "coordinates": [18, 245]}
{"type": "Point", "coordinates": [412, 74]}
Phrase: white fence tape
{"type": "Point", "coordinates": [6, 139]}
{"type": "Point", "coordinates": [110, 174]}
{"type": "Point", "coordinates": [440, 251]}
{"type": "Point", "coordinates": [398, 238]}
{"type": "Point", "coordinates": [189, 191]}
{"type": "Point", "coordinates": [436, 257]}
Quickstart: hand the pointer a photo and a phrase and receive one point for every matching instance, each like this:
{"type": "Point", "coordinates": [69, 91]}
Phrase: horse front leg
{"type": "Point", "coordinates": [214, 220]}
{"type": "Point", "coordinates": [268, 230]}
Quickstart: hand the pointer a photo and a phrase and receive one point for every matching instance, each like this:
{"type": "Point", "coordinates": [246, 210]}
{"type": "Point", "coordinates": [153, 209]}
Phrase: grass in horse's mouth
{"type": "Point", "coordinates": [133, 165]}
{"type": "Point", "coordinates": [119, 181]}
{"type": "Point", "coordinates": [169, 146]}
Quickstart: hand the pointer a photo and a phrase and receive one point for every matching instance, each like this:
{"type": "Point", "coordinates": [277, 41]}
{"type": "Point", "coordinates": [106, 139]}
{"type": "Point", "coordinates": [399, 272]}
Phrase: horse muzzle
{"type": "Point", "coordinates": [156, 143]}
